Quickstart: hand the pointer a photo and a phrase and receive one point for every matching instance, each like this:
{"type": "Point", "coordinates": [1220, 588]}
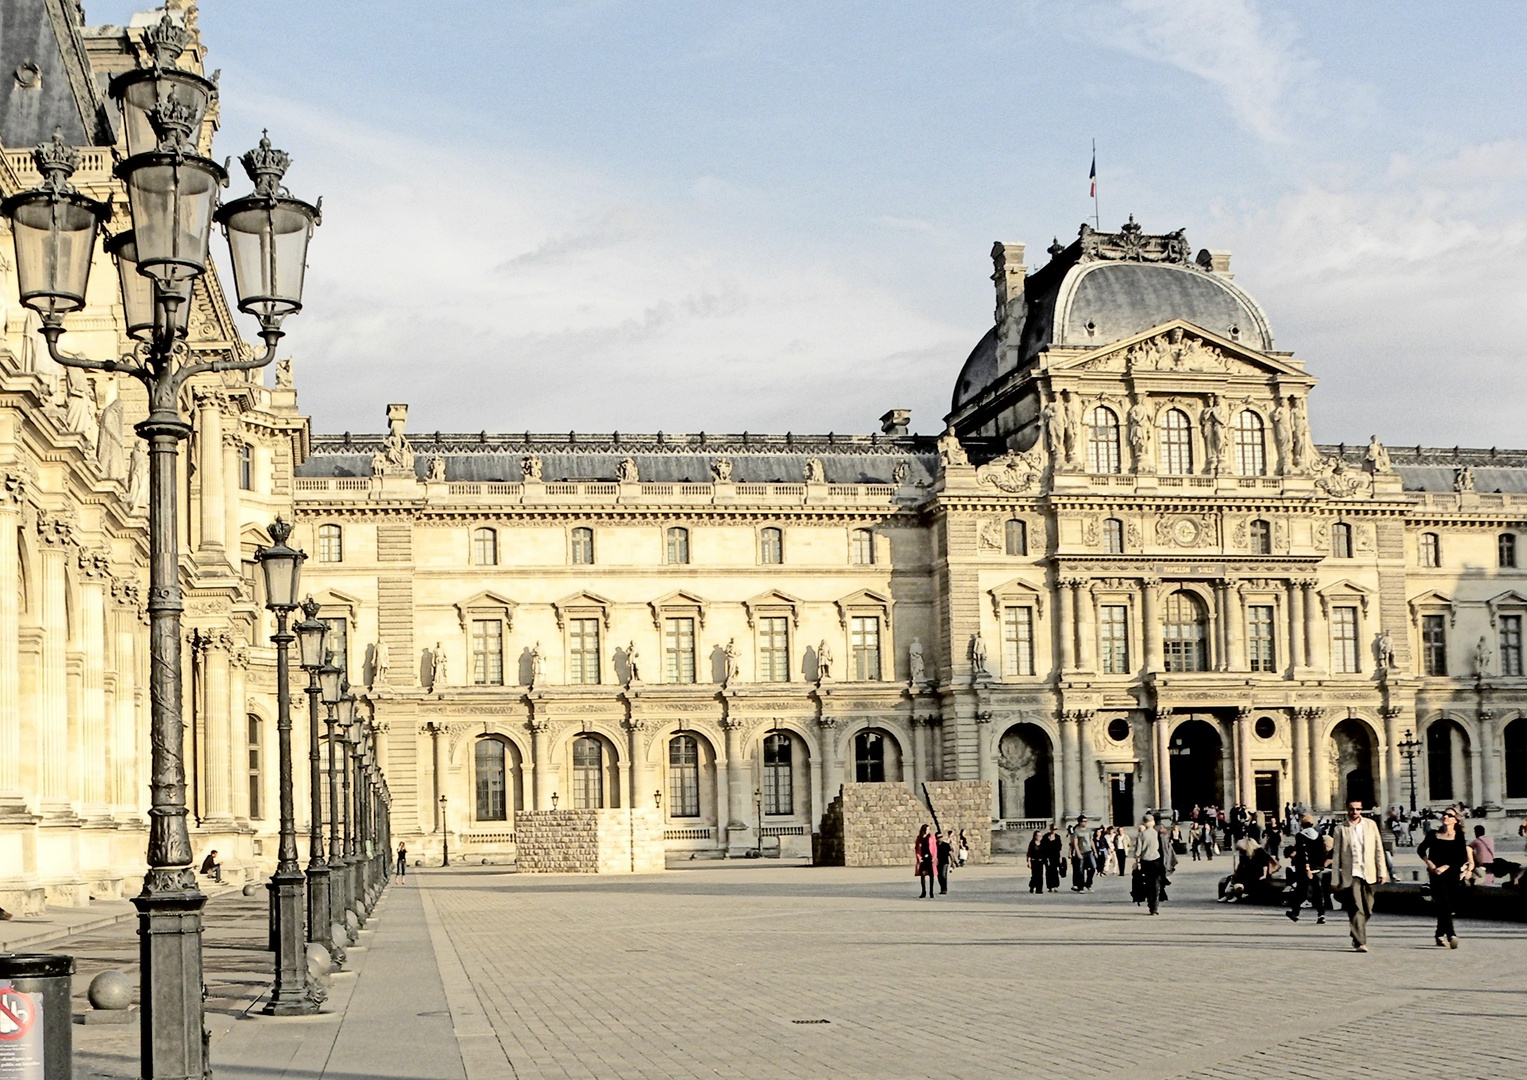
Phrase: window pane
{"type": "Point", "coordinates": [1431, 550]}
{"type": "Point", "coordinates": [771, 546]}
{"type": "Point", "coordinates": [485, 547]}
{"type": "Point", "coordinates": [487, 652]}
{"type": "Point", "coordinates": [1508, 550]}
{"type": "Point", "coordinates": [1433, 645]}
{"type": "Point", "coordinates": [583, 547]}
{"type": "Point", "coordinates": [861, 547]}
{"type": "Point", "coordinates": [1018, 641]}
{"type": "Point", "coordinates": [1113, 536]}
{"type": "Point", "coordinates": [1250, 448]}
{"type": "Point", "coordinates": [869, 757]}
{"type": "Point", "coordinates": [774, 649]}
{"type": "Point", "coordinates": [331, 546]}
{"type": "Point", "coordinates": [256, 806]}
{"type": "Point", "coordinates": [679, 650]}
{"type": "Point", "coordinates": [246, 467]}
{"type": "Point", "coordinates": [1017, 537]}
{"type": "Point", "coordinates": [1102, 441]}
{"type": "Point", "coordinates": [588, 774]}
{"type": "Point", "coordinates": [1259, 619]}
{"type": "Point", "coordinates": [1184, 632]}
{"type": "Point", "coordinates": [583, 651]}
{"type": "Point", "coordinates": [337, 641]}
{"type": "Point", "coordinates": [683, 777]}
{"type": "Point", "coordinates": [779, 793]}
{"type": "Point", "coordinates": [865, 643]}
{"type": "Point", "coordinates": [1261, 537]}
{"type": "Point", "coordinates": [490, 781]}
{"type": "Point", "coordinates": [1175, 442]}
{"type": "Point", "coordinates": [1341, 540]}
{"type": "Point", "coordinates": [1511, 645]}
{"type": "Point", "coordinates": [678, 546]}
{"type": "Point", "coordinates": [1113, 638]}
{"type": "Point", "coordinates": [1344, 639]}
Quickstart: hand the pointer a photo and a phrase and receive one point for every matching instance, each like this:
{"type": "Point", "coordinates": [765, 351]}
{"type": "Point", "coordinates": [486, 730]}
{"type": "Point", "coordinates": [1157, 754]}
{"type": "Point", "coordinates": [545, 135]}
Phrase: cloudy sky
{"type": "Point", "coordinates": [776, 215]}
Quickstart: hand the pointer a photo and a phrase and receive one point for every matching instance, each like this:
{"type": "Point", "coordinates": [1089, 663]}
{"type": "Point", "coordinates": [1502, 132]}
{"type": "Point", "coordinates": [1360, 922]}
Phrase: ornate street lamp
{"type": "Point", "coordinates": [172, 195]}
{"type": "Point", "coordinates": [290, 995]}
{"type": "Point", "coordinates": [1409, 747]}
{"type": "Point", "coordinates": [445, 836]}
{"type": "Point", "coordinates": [357, 895]}
{"type": "Point", "coordinates": [329, 682]}
{"type": "Point", "coordinates": [347, 851]}
{"type": "Point", "coordinates": [311, 635]}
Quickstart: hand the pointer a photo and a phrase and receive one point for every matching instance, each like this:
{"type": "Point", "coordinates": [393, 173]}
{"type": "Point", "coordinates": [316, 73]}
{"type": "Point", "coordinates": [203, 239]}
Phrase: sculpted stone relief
{"type": "Point", "coordinates": [1186, 530]}
{"type": "Point", "coordinates": [1013, 472]}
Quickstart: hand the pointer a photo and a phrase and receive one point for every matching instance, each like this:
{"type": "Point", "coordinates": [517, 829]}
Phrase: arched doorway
{"type": "Point", "coordinates": [1355, 762]}
{"type": "Point", "coordinates": [1197, 766]}
{"type": "Point", "coordinates": [1516, 758]}
{"type": "Point", "coordinates": [1447, 772]}
{"type": "Point", "coordinates": [1025, 773]}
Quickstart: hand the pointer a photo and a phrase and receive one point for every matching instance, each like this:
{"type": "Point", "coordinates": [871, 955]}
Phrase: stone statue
{"type": "Point", "coordinates": [721, 469]}
{"type": "Point", "coordinates": [530, 467]}
{"type": "Point", "coordinates": [284, 374]}
{"type": "Point", "coordinates": [633, 671]}
{"type": "Point", "coordinates": [109, 438]}
{"type": "Point", "coordinates": [899, 474]}
{"type": "Point", "coordinates": [437, 680]}
{"type": "Point", "coordinates": [1283, 436]}
{"type": "Point", "coordinates": [813, 471]}
{"type": "Point", "coordinates": [399, 452]}
{"type": "Point", "coordinates": [978, 655]}
{"type": "Point", "coordinates": [380, 662]}
{"type": "Point", "coordinates": [1463, 480]}
{"type": "Point", "coordinates": [824, 661]}
{"type": "Point", "coordinates": [950, 451]}
{"type": "Point", "coordinates": [915, 662]}
{"type": "Point", "coordinates": [1377, 457]}
{"type": "Point", "coordinates": [729, 655]}
{"type": "Point", "coordinates": [1386, 650]}
{"type": "Point", "coordinates": [1054, 419]}
{"type": "Point", "coordinates": [1139, 420]}
{"type": "Point", "coordinates": [1304, 446]}
{"type": "Point", "coordinates": [137, 478]}
{"type": "Point", "coordinates": [379, 463]}
{"type": "Point", "coordinates": [79, 404]}
{"type": "Point", "coordinates": [1212, 422]}
{"type": "Point", "coordinates": [1482, 656]}
{"type": "Point", "coordinates": [537, 665]}
{"type": "Point", "coordinates": [626, 472]}
{"type": "Point", "coordinates": [1073, 432]}
{"type": "Point", "coordinates": [437, 470]}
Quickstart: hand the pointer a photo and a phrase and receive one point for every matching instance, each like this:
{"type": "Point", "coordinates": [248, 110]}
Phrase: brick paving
{"type": "Point", "coordinates": [705, 971]}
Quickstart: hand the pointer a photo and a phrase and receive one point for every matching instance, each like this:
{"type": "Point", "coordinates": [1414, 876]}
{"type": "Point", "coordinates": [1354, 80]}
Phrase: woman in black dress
{"type": "Point", "coordinates": [1448, 861]}
{"type": "Point", "coordinates": [1036, 865]}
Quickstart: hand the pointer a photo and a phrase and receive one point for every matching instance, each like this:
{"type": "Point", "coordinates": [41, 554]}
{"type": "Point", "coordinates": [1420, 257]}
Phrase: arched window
{"type": "Point", "coordinates": [678, 545]}
{"type": "Point", "coordinates": [1250, 444]}
{"type": "Point", "coordinates": [683, 776]}
{"type": "Point", "coordinates": [1516, 758]}
{"type": "Point", "coordinates": [1015, 536]}
{"type": "Point", "coordinates": [489, 762]}
{"type": "Point", "coordinates": [1184, 632]}
{"type": "Point", "coordinates": [1507, 546]}
{"type": "Point", "coordinates": [256, 771]}
{"type": "Point", "coordinates": [1261, 537]}
{"type": "Point", "coordinates": [1113, 536]}
{"type": "Point", "coordinates": [583, 546]}
{"type": "Point", "coordinates": [484, 547]}
{"type": "Point", "coordinates": [331, 543]}
{"type": "Point", "coordinates": [771, 546]}
{"type": "Point", "coordinates": [1174, 440]}
{"type": "Point", "coordinates": [1430, 550]}
{"type": "Point", "coordinates": [246, 467]}
{"type": "Point", "coordinates": [1439, 760]}
{"type": "Point", "coordinates": [1102, 440]}
{"type": "Point", "coordinates": [779, 784]}
{"type": "Point", "coordinates": [869, 757]}
{"type": "Point", "coordinates": [1341, 540]}
{"type": "Point", "coordinates": [588, 774]}
{"type": "Point", "coordinates": [861, 547]}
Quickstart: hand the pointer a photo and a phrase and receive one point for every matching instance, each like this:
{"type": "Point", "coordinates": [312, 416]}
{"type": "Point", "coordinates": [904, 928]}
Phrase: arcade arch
{"type": "Point", "coordinates": [1025, 773]}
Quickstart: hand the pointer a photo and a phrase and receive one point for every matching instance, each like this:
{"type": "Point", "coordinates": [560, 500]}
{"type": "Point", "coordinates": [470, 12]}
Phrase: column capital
{"type": "Point", "coordinates": [1243, 714]}
{"type": "Point", "coordinates": [983, 716]}
{"type": "Point", "coordinates": [639, 724]}
{"type": "Point", "coordinates": [232, 440]}
{"type": "Point", "coordinates": [1486, 715]}
{"type": "Point", "coordinates": [1150, 581]}
{"type": "Point", "coordinates": [730, 723]}
{"type": "Point", "coordinates": [1077, 716]}
{"type": "Point", "coordinates": [209, 397]}
{"type": "Point", "coordinates": [827, 722]}
{"type": "Point", "coordinates": [1390, 712]}
{"type": "Point", "coordinates": [1073, 582]}
{"type": "Point", "coordinates": [1309, 712]}
{"type": "Point", "coordinates": [54, 529]}
{"type": "Point", "coordinates": [535, 725]}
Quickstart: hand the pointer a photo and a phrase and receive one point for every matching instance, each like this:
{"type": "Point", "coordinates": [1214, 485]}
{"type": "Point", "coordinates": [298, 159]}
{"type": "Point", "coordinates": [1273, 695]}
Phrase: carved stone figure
{"type": "Point", "coordinates": [978, 655]}
{"type": "Point", "coordinates": [284, 374]}
{"type": "Point", "coordinates": [899, 474]}
{"type": "Point", "coordinates": [915, 662]}
{"type": "Point", "coordinates": [437, 676]}
{"type": "Point", "coordinates": [721, 469]}
{"type": "Point", "coordinates": [813, 471]}
{"type": "Point", "coordinates": [950, 450]}
{"type": "Point", "coordinates": [1054, 419]}
{"type": "Point", "coordinates": [137, 478]}
{"type": "Point", "coordinates": [1012, 472]}
{"type": "Point", "coordinates": [109, 438]}
{"type": "Point", "coordinates": [729, 656]}
{"type": "Point", "coordinates": [1212, 421]}
{"type": "Point", "coordinates": [1463, 480]}
{"type": "Point", "coordinates": [1139, 420]}
{"type": "Point", "coordinates": [398, 451]}
{"type": "Point", "coordinates": [1386, 651]}
{"type": "Point", "coordinates": [537, 665]}
{"type": "Point", "coordinates": [824, 661]}
{"type": "Point", "coordinates": [380, 662]}
{"type": "Point", "coordinates": [1283, 437]}
{"type": "Point", "coordinates": [633, 670]}
{"type": "Point", "coordinates": [437, 470]}
{"type": "Point", "coordinates": [1073, 432]}
{"type": "Point", "coordinates": [1482, 656]}
{"type": "Point", "coordinates": [1377, 457]}
{"type": "Point", "coordinates": [626, 472]}
{"type": "Point", "coordinates": [379, 463]}
{"type": "Point", "coordinates": [1304, 446]}
{"type": "Point", "coordinates": [530, 467]}
{"type": "Point", "coordinates": [79, 404]}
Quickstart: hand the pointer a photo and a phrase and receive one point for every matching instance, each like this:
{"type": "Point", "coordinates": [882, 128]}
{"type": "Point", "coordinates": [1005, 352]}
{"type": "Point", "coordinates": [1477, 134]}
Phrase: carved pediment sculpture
{"type": "Point", "coordinates": [1013, 472]}
{"type": "Point", "coordinates": [1334, 478]}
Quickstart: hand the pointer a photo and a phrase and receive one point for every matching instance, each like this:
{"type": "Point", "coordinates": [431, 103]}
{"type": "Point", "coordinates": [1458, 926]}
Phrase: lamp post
{"type": "Point", "coordinates": [758, 805]}
{"type": "Point", "coordinates": [445, 836]}
{"type": "Point", "coordinates": [333, 915]}
{"type": "Point", "coordinates": [657, 798]}
{"type": "Point", "coordinates": [340, 890]}
{"type": "Point", "coordinates": [1409, 747]}
{"type": "Point", "coordinates": [289, 996]}
{"type": "Point", "coordinates": [171, 196]}
{"type": "Point", "coordinates": [311, 634]}
{"type": "Point", "coordinates": [352, 816]}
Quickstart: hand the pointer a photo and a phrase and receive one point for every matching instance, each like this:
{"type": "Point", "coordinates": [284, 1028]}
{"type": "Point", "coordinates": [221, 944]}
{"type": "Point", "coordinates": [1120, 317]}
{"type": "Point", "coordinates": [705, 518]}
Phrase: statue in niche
{"type": "Point", "coordinates": [1463, 480]}
{"type": "Point", "coordinates": [530, 467]}
{"type": "Point", "coordinates": [1212, 421]}
{"type": "Point", "coordinates": [284, 374]}
{"type": "Point", "coordinates": [626, 472]}
{"type": "Point", "coordinates": [1283, 436]}
{"type": "Point", "coordinates": [437, 679]}
{"type": "Point", "coordinates": [79, 405]}
{"type": "Point", "coordinates": [729, 657]}
{"type": "Point", "coordinates": [950, 450]}
{"type": "Point", "coordinates": [537, 665]}
{"type": "Point", "coordinates": [721, 470]}
{"type": "Point", "coordinates": [1139, 420]}
{"type": "Point", "coordinates": [380, 662]}
{"type": "Point", "coordinates": [1385, 650]}
{"type": "Point", "coordinates": [978, 656]}
{"type": "Point", "coordinates": [1073, 432]}
{"type": "Point", "coordinates": [633, 670]}
{"type": "Point", "coordinates": [1053, 416]}
{"type": "Point", "coordinates": [813, 471]}
{"type": "Point", "coordinates": [824, 661]}
{"type": "Point", "coordinates": [915, 662]}
{"type": "Point", "coordinates": [1304, 446]}
{"type": "Point", "coordinates": [1482, 656]}
{"type": "Point", "coordinates": [1377, 457]}
{"type": "Point", "coordinates": [137, 478]}
{"type": "Point", "coordinates": [437, 470]}
{"type": "Point", "coordinates": [109, 440]}
{"type": "Point", "coordinates": [899, 474]}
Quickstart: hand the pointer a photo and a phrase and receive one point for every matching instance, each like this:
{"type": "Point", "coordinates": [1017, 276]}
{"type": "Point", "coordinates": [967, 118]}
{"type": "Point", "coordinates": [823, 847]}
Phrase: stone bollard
{"type": "Point", "coordinates": [111, 1000]}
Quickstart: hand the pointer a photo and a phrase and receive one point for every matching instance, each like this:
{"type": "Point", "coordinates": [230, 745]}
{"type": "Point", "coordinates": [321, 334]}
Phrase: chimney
{"type": "Point", "coordinates": [1008, 274]}
{"type": "Point", "coordinates": [895, 422]}
{"type": "Point", "coordinates": [1216, 262]}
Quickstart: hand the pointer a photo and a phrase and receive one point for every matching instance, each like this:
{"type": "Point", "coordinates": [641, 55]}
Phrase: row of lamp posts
{"type": "Point", "coordinates": [172, 195]}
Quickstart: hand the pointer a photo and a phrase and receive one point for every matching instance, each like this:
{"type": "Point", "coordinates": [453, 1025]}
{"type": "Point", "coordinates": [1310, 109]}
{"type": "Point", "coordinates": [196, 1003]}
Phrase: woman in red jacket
{"type": "Point", "coordinates": [924, 859]}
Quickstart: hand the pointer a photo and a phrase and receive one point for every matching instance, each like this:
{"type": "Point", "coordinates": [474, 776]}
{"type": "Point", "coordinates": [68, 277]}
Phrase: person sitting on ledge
{"type": "Point", "coordinates": [211, 866]}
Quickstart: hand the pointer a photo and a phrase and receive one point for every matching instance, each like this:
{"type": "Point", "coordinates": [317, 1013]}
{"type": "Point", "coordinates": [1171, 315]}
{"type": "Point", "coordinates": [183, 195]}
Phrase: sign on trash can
{"type": "Point", "coordinates": [36, 1037]}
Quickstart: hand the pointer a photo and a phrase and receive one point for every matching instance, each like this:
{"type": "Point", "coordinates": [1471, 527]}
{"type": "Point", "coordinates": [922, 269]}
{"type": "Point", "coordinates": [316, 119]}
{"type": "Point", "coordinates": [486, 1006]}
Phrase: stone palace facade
{"type": "Point", "coordinates": [1124, 577]}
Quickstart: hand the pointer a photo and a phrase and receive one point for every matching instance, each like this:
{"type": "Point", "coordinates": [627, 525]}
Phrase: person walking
{"type": "Point", "coordinates": [1357, 865]}
{"type": "Point", "coordinates": [1052, 848]}
{"type": "Point", "coordinates": [402, 862]}
{"type": "Point", "coordinates": [1310, 858]}
{"type": "Point", "coordinates": [1082, 866]}
{"type": "Point", "coordinates": [1147, 852]}
{"type": "Point", "coordinates": [1121, 847]}
{"type": "Point", "coordinates": [943, 848]}
{"type": "Point", "coordinates": [1482, 847]}
{"type": "Point", "coordinates": [924, 857]}
{"type": "Point", "coordinates": [1036, 865]}
{"type": "Point", "coordinates": [964, 851]}
{"type": "Point", "coordinates": [1449, 862]}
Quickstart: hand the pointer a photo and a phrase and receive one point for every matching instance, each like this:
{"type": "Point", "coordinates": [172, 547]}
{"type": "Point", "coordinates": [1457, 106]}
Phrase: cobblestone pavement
{"type": "Point", "coordinates": [730, 970]}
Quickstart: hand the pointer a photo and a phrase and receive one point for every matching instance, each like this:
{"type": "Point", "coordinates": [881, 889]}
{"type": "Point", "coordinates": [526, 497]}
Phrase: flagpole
{"type": "Point", "coordinates": [1097, 220]}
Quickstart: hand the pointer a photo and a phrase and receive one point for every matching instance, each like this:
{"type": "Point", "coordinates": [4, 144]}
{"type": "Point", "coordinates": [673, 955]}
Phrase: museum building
{"type": "Point", "coordinates": [1125, 576]}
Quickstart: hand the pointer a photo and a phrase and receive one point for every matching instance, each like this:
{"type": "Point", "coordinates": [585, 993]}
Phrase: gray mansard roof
{"type": "Point", "coordinates": [1435, 469]}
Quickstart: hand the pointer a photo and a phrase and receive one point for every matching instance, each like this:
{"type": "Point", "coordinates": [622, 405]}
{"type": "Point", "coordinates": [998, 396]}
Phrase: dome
{"type": "Point", "coordinates": [980, 370]}
{"type": "Point", "coordinates": [1102, 302]}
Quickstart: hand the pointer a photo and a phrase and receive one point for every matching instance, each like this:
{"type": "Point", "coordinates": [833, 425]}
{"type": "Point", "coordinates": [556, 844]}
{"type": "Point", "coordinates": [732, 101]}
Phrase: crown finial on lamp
{"type": "Point", "coordinates": [266, 166]}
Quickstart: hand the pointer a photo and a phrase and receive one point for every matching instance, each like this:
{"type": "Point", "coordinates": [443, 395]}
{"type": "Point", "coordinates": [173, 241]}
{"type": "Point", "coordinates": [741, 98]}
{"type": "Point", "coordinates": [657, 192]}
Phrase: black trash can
{"type": "Point", "coordinates": [36, 1016]}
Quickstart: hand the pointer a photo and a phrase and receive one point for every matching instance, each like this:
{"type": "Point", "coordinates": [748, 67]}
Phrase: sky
{"type": "Point", "coordinates": [773, 216]}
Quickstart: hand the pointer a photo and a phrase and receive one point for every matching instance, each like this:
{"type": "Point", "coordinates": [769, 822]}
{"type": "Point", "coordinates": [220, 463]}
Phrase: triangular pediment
{"type": "Point", "coordinates": [1344, 589]}
{"type": "Point", "coordinates": [1178, 347]}
{"type": "Point", "coordinates": [585, 600]}
{"type": "Point", "coordinates": [679, 598]}
{"type": "Point", "coordinates": [1434, 600]}
{"type": "Point", "coordinates": [486, 601]}
{"type": "Point", "coordinates": [1510, 600]}
{"type": "Point", "coordinates": [1016, 590]}
{"type": "Point", "coordinates": [774, 598]}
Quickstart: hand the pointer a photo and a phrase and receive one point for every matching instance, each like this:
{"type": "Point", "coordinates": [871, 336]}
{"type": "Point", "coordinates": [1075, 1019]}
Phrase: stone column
{"type": "Point", "coordinates": [1084, 758]}
{"type": "Point", "coordinates": [919, 747]}
{"type": "Point", "coordinates": [540, 768]}
{"type": "Point", "coordinates": [52, 679]}
{"type": "Point", "coordinates": [1300, 729]}
{"type": "Point", "coordinates": [638, 790]}
{"type": "Point", "coordinates": [1086, 627]}
{"type": "Point", "coordinates": [1295, 625]}
{"type": "Point", "coordinates": [219, 728]}
{"type": "Point", "coordinates": [238, 708]}
{"type": "Point", "coordinates": [11, 796]}
{"type": "Point", "coordinates": [1069, 772]}
{"type": "Point", "coordinates": [1320, 763]}
{"type": "Point", "coordinates": [209, 469]}
{"type": "Point", "coordinates": [1489, 744]}
{"type": "Point", "coordinates": [986, 760]}
{"type": "Point", "coordinates": [1065, 625]}
{"type": "Point", "coordinates": [93, 569]}
{"type": "Point", "coordinates": [1160, 730]}
{"type": "Point", "coordinates": [831, 766]}
{"type": "Point", "coordinates": [1317, 648]}
{"type": "Point", "coordinates": [1245, 775]}
{"type": "Point", "coordinates": [1393, 769]}
{"type": "Point", "coordinates": [125, 794]}
{"type": "Point", "coordinates": [735, 813]}
{"type": "Point", "coordinates": [232, 492]}
{"type": "Point", "coordinates": [1235, 625]}
{"type": "Point", "coordinates": [1476, 771]}
{"type": "Point", "coordinates": [1150, 623]}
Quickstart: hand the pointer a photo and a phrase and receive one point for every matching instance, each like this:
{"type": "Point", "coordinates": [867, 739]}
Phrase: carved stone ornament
{"type": "Point", "coordinates": [813, 471]}
{"type": "Point", "coordinates": [950, 452]}
{"type": "Point", "coordinates": [530, 467]}
{"type": "Point", "coordinates": [721, 469]}
{"type": "Point", "coordinates": [1335, 479]}
{"type": "Point", "coordinates": [1185, 531]}
{"type": "Point", "coordinates": [990, 535]}
{"type": "Point", "coordinates": [1013, 472]}
{"type": "Point", "coordinates": [626, 472]}
{"type": "Point", "coordinates": [1132, 244]}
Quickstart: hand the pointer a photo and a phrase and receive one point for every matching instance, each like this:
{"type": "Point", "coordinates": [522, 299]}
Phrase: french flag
{"type": "Point", "coordinates": [1092, 177]}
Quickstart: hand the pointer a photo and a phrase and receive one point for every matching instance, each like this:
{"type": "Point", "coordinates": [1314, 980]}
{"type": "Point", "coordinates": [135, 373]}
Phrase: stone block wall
{"type": "Point", "coordinates": [589, 841]}
{"type": "Point", "coordinates": [875, 824]}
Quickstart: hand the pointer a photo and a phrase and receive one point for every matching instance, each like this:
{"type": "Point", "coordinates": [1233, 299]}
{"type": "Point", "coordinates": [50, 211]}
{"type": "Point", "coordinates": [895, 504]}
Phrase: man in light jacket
{"type": "Point", "coordinates": [1357, 865]}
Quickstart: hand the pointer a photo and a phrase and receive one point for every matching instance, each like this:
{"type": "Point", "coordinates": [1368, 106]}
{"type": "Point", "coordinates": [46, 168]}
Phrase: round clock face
{"type": "Point", "coordinates": [1184, 532]}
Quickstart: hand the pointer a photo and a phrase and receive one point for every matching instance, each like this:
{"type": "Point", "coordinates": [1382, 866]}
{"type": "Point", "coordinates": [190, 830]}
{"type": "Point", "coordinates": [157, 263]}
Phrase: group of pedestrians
{"type": "Point", "coordinates": [933, 854]}
{"type": "Point", "coordinates": [1092, 853]}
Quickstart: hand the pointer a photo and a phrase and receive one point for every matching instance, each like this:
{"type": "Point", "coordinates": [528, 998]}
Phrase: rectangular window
{"type": "Point", "coordinates": [679, 650]}
{"type": "Point", "coordinates": [1113, 638]}
{"type": "Point", "coordinates": [487, 652]}
{"type": "Point", "coordinates": [864, 638]}
{"type": "Point", "coordinates": [1259, 639]}
{"type": "Point", "coordinates": [683, 777]}
{"type": "Point", "coordinates": [1433, 645]}
{"type": "Point", "coordinates": [336, 641]}
{"type": "Point", "coordinates": [1344, 640]}
{"type": "Point", "coordinates": [1018, 641]}
{"type": "Point", "coordinates": [1510, 644]}
{"type": "Point", "coordinates": [583, 651]}
{"type": "Point", "coordinates": [779, 788]}
{"type": "Point", "coordinates": [256, 805]}
{"type": "Point", "coordinates": [774, 649]}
